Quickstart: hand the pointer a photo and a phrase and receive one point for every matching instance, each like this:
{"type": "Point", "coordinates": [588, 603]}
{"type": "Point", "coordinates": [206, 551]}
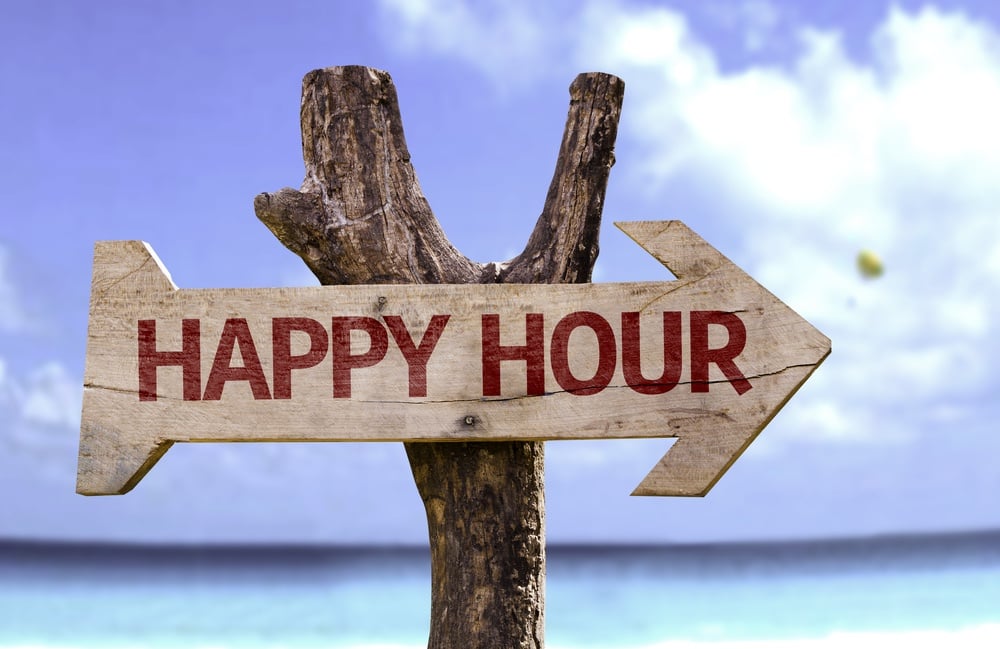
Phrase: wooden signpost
{"type": "Point", "coordinates": [471, 365]}
{"type": "Point", "coordinates": [708, 358]}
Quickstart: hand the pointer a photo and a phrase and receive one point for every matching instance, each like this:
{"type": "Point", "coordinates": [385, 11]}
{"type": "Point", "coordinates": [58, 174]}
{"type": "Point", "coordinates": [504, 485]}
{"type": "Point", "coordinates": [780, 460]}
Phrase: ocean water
{"type": "Point", "coordinates": [908, 592]}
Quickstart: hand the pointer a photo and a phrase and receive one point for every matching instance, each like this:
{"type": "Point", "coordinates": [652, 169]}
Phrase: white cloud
{"type": "Point", "coordinates": [40, 407]}
{"type": "Point", "coordinates": [7, 389]}
{"type": "Point", "coordinates": [811, 162]}
{"type": "Point", "coordinates": [47, 396]}
{"type": "Point", "coordinates": [830, 156]}
{"type": "Point", "coordinates": [755, 19]}
{"type": "Point", "coordinates": [52, 397]}
{"type": "Point", "coordinates": [760, 18]}
{"type": "Point", "coordinates": [504, 39]}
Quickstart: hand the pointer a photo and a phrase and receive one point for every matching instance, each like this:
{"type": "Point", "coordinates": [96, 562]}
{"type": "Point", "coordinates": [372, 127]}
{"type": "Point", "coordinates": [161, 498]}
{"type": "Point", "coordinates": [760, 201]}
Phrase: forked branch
{"type": "Point", "coordinates": [360, 217]}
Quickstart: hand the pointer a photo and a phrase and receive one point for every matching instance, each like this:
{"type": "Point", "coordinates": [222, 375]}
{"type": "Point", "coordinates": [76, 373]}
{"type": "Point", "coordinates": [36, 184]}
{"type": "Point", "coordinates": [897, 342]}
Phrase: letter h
{"type": "Point", "coordinates": [189, 359]}
{"type": "Point", "coordinates": [532, 353]}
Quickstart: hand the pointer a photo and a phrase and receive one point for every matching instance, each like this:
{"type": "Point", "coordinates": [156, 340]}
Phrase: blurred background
{"type": "Point", "coordinates": [846, 155]}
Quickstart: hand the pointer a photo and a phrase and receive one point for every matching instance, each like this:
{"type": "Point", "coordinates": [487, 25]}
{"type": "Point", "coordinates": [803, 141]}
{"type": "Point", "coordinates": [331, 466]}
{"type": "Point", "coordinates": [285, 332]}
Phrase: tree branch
{"type": "Point", "coordinates": [564, 244]}
{"type": "Point", "coordinates": [360, 217]}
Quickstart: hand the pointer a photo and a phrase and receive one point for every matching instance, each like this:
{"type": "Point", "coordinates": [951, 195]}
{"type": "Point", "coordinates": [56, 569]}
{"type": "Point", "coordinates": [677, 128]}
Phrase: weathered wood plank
{"type": "Point", "coordinates": [254, 378]}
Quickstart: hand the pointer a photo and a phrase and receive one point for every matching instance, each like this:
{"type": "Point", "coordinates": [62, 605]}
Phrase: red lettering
{"type": "Point", "coordinates": [701, 355]}
{"type": "Point", "coordinates": [188, 358]}
{"type": "Point", "coordinates": [532, 353]}
{"type": "Point", "coordinates": [607, 353]}
{"type": "Point", "coordinates": [631, 354]}
{"type": "Point", "coordinates": [236, 331]}
{"type": "Point", "coordinates": [343, 360]}
{"type": "Point", "coordinates": [416, 355]}
{"type": "Point", "coordinates": [284, 360]}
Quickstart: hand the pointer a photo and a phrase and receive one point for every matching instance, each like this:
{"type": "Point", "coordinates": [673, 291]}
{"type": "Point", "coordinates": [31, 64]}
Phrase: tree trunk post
{"type": "Point", "coordinates": [360, 217]}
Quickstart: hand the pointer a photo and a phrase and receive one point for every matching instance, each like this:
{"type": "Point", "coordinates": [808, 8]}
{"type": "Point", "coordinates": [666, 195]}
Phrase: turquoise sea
{"type": "Point", "coordinates": [881, 592]}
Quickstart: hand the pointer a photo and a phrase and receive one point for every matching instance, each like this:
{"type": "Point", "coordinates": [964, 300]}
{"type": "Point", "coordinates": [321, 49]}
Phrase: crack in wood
{"type": "Point", "coordinates": [126, 276]}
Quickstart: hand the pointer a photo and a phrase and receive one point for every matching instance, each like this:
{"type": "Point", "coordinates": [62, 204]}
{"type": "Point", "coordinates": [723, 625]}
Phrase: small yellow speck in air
{"type": "Point", "coordinates": [869, 265]}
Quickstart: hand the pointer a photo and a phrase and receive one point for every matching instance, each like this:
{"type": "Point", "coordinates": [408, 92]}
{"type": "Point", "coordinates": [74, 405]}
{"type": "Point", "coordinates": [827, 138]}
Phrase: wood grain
{"type": "Point", "coordinates": [780, 352]}
{"type": "Point", "coordinates": [360, 217]}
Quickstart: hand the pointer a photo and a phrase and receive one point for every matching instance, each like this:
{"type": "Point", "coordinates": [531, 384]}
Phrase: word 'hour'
{"type": "Point", "coordinates": [496, 357]}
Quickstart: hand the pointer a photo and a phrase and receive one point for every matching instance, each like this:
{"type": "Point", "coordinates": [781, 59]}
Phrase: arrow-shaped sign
{"type": "Point", "coordinates": [709, 359]}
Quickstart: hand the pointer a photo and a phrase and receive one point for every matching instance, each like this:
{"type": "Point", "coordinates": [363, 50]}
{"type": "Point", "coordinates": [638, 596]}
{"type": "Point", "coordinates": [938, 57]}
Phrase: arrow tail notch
{"type": "Point", "coordinates": [111, 464]}
{"type": "Point", "coordinates": [111, 461]}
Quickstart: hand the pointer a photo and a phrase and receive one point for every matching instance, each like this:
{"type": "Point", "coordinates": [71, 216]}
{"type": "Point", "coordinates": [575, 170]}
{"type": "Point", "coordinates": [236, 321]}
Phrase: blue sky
{"type": "Point", "coordinates": [791, 135]}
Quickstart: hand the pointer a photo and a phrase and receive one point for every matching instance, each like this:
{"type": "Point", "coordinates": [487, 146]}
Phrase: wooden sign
{"type": "Point", "coordinates": [708, 359]}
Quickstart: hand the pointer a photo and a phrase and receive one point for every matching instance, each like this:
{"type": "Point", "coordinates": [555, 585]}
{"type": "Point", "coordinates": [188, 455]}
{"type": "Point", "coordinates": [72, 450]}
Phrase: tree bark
{"type": "Point", "coordinates": [360, 217]}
